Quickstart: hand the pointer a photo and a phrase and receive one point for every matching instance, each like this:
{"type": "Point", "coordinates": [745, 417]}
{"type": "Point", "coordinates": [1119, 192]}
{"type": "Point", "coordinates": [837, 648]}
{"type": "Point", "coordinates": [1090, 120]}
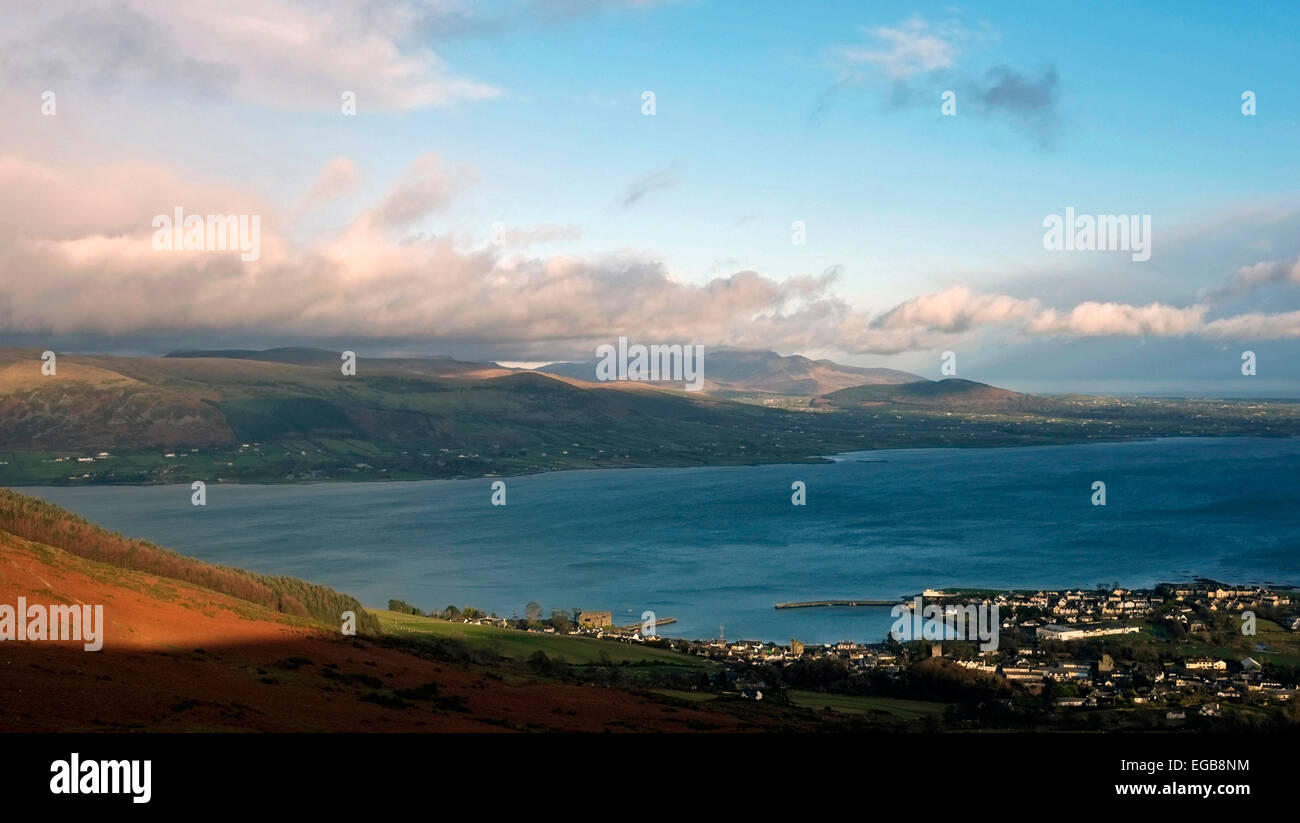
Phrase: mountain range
{"type": "Point", "coordinates": [293, 415]}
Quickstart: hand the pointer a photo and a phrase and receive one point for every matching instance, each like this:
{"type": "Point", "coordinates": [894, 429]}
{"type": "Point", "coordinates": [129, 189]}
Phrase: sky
{"type": "Point", "coordinates": [504, 189]}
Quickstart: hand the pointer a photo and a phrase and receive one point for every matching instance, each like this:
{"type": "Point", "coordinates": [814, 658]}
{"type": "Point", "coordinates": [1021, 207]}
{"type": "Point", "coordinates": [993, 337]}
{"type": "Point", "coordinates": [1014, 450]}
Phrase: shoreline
{"type": "Point", "coordinates": [831, 457]}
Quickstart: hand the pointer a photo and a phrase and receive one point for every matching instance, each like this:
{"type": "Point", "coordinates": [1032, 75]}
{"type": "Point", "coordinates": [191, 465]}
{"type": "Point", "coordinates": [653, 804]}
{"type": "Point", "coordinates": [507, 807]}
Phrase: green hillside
{"type": "Point", "coordinates": [285, 416]}
{"type": "Point", "coordinates": [513, 644]}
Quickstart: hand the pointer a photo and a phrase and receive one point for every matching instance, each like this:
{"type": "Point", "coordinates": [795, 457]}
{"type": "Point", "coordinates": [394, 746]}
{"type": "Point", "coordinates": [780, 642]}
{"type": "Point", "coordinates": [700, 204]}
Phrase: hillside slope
{"type": "Point", "coordinates": [732, 371]}
{"type": "Point", "coordinates": [175, 418]}
{"type": "Point", "coordinates": [949, 394]}
{"type": "Point", "coordinates": [291, 416]}
{"type": "Point", "coordinates": [178, 656]}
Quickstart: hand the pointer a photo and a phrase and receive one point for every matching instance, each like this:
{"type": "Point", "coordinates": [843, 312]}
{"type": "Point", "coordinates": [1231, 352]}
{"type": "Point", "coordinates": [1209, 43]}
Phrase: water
{"type": "Point", "coordinates": [720, 546]}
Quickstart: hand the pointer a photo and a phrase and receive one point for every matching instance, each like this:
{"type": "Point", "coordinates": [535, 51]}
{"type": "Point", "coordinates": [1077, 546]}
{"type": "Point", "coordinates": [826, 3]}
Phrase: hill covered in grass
{"type": "Point", "coordinates": [949, 394]}
{"type": "Point", "coordinates": [39, 522]}
{"type": "Point", "coordinates": [729, 372]}
{"type": "Point", "coordinates": [193, 648]}
{"type": "Point", "coordinates": [291, 415]}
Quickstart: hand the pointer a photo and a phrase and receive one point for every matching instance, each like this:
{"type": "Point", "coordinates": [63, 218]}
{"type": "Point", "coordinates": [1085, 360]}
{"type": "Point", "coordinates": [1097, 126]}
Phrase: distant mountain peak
{"type": "Point", "coordinates": [949, 393]}
{"type": "Point", "coordinates": [743, 371]}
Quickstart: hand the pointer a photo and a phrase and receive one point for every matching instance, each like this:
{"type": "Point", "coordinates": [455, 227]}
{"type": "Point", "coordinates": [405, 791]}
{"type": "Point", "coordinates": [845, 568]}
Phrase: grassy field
{"type": "Point", "coordinates": [519, 645]}
{"type": "Point", "coordinates": [855, 704]}
{"type": "Point", "coordinates": [1283, 646]}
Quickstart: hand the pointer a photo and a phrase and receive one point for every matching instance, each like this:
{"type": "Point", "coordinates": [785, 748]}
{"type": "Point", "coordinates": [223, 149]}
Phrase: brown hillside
{"type": "Point", "coordinates": [179, 656]}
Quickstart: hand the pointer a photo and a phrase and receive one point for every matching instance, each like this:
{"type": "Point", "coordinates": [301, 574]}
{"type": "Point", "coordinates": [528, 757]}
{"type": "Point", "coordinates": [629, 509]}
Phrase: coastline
{"type": "Point", "coordinates": [812, 460]}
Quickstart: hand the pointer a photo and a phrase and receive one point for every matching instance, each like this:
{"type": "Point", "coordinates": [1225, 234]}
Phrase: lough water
{"type": "Point", "coordinates": [718, 547]}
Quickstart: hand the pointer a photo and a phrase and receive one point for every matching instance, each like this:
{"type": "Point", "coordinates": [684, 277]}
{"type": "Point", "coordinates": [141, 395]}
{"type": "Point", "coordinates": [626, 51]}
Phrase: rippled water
{"type": "Point", "coordinates": [720, 546]}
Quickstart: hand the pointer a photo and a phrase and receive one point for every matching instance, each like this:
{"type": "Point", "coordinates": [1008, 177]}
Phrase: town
{"type": "Point", "coordinates": [1176, 655]}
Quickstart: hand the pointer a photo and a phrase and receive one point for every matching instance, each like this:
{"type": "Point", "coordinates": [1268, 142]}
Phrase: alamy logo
{"type": "Point", "coordinates": [77, 776]}
{"type": "Point", "coordinates": [949, 621]}
{"type": "Point", "coordinates": [216, 232]}
{"type": "Point", "coordinates": [654, 362]}
{"type": "Point", "coordinates": [1102, 232]}
{"type": "Point", "coordinates": [36, 622]}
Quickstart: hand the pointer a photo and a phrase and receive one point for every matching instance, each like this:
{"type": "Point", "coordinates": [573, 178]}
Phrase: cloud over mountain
{"type": "Point", "coordinates": [87, 233]}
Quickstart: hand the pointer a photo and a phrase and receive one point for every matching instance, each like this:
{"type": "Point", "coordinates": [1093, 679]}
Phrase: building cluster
{"type": "Point", "coordinates": [1041, 656]}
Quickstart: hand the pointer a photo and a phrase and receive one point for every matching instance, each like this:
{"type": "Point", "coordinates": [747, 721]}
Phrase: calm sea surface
{"type": "Point", "coordinates": [718, 547]}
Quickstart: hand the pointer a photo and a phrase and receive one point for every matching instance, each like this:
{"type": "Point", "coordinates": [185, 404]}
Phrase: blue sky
{"type": "Point", "coordinates": [924, 232]}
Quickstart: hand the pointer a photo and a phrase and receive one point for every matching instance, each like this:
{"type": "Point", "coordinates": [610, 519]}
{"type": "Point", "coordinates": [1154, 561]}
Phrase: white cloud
{"type": "Point", "coordinates": [283, 54]}
{"type": "Point", "coordinates": [1094, 319]}
{"type": "Point", "coordinates": [426, 187]}
{"type": "Point", "coordinates": [957, 309]}
{"type": "Point", "coordinates": [522, 236]}
{"type": "Point", "coordinates": [908, 48]}
{"type": "Point", "coordinates": [1256, 326]}
{"type": "Point", "coordinates": [76, 258]}
{"type": "Point", "coordinates": [339, 177]}
{"type": "Point", "coordinates": [1248, 278]}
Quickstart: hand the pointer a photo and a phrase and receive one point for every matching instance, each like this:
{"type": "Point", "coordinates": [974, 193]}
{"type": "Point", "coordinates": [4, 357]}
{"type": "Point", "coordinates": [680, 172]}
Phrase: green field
{"type": "Point", "coordinates": [519, 645]}
{"type": "Point", "coordinates": [1283, 646]}
{"type": "Point", "coordinates": [856, 704]}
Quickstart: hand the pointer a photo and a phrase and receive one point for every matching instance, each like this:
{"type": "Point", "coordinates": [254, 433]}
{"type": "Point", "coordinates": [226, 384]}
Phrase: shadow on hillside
{"type": "Point", "coordinates": [308, 684]}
